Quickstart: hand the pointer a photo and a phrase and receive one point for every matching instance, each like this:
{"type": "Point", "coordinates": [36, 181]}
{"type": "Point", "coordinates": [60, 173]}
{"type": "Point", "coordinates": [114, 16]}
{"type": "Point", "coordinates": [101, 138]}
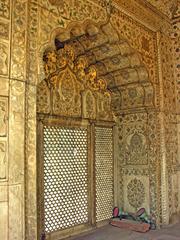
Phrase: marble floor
{"type": "Point", "coordinates": [112, 233]}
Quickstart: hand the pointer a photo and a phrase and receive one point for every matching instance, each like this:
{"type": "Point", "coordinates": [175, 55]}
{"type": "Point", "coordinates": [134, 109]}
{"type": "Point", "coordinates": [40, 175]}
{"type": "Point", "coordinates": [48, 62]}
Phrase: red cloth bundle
{"type": "Point", "coordinates": [130, 225]}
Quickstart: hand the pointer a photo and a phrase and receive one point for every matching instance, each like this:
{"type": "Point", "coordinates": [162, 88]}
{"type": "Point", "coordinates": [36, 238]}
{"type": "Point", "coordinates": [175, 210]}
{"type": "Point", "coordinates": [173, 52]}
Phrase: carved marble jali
{"type": "Point", "coordinates": [123, 69]}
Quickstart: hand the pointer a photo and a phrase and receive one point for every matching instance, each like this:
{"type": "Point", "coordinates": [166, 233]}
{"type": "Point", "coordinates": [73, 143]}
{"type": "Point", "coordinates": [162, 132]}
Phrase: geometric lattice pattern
{"type": "Point", "coordinates": [65, 177]}
{"type": "Point", "coordinates": [104, 173]}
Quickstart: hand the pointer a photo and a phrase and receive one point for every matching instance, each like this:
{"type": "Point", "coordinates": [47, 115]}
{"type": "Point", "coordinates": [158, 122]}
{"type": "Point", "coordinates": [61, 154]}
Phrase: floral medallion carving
{"type": "Point", "coordinates": [136, 193]}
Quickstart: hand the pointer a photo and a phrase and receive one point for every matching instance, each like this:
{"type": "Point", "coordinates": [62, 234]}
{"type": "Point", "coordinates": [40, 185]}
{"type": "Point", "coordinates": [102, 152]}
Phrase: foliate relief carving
{"type": "Point", "coordinates": [3, 117]}
{"type": "Point", "coordinates": [62, 12]}
{"type": "Point", "coordinates": [4, 30]}
{"type": "Point", "coordinates": [176, 57]}
{"type": "Point", "coordinates": [89, 105]}
{"type": "Point", "coordinates": [33, 21]}
{"type": "Point", "coordinates": [136, 149]}
{"type": "Point", "coordinates": [19, 21]}
{"type": "Point", "coordinates": [4, 8]}
{"type": "Point", "coordinates": [2, 160]}
{"type": "Point", "coordinates": [132, 97]}
{"type": "Point", "coordinates": [104, 106]}
{"type": "Point", "coordinates": [168, 73]}
{"type": "Point", "coordinates": [57, 60]}
{"type": "Point", "coordinates": [66, 97]}
{"type": "Point", "coordinates": [43, 98]}
{"type": "Point", "coordinates": [67, 78]}
{"type": "Point", "coordinates": [136, 193]}
{"type": "Point", "coordinates": [3, 59]}
{"type": "Point", "coordinates": [139, 38]}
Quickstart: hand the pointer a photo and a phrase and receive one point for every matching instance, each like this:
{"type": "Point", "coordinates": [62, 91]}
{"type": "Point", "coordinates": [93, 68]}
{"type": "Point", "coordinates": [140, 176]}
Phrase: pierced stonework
{"type": "Point", "coordinates": [136, 193]}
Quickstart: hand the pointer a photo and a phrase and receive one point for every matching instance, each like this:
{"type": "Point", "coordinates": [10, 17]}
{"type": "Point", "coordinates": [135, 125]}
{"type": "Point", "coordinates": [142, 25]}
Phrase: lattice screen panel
{"type": "Point", "coordinates": [65, 177]}
{"type": "Point", "coordinates": [104, 173]}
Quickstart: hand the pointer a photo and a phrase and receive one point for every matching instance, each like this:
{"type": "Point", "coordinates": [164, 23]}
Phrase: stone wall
{"type": "Point", "coordinates": [27, 29]}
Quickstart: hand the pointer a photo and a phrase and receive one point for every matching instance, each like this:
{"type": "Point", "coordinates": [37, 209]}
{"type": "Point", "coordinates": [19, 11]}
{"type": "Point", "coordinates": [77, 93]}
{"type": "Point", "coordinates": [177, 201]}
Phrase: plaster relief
{"type": "Point", "coordinates": [4, 87]}
{"type": "Point", "coordinates": [2, 160]}
{"type": "Point", "coordinates": [4, 8]}
{"type": "Point", "coordinates": [3, 59]}
{"type": "Point", "coordinates": [4, 30]}
{"type": "Point", "coordinates": [136, 150]}
{"type": "Point", "coordinates": [3, 116]}
{"type": "Point", "coordinates": [136, 193]}
{"type": "Point", "coordinates": [89, 105]}
{"type": "Point", "coordinates": [4, 221]}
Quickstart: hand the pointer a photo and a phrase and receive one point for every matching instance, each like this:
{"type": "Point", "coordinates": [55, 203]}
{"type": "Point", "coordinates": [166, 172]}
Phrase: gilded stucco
{"type": "Point", "coordinates": [27, 29]}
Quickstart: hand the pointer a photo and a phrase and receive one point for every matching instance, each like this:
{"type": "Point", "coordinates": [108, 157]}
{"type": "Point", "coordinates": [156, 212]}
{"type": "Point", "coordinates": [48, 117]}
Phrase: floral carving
{"type": "Point", "coordinates": [4, 8]}
{"type": "Point", "coordinates": [4, 30]}
{"type": "Point", "coordinates": [2, 160]}
{"type": "Point", "coordinates": [136, 193]}
{"type": "Point", "coordinates": [3, 117]}
{"type": "Point", "coordinates": [57, 60]}
{"type": "Point", "coordinates": [3, 59]}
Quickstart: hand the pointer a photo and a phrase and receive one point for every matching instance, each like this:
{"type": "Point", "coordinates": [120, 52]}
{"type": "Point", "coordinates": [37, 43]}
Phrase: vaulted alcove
{"type": "Point", "coordinates": [92, 79]}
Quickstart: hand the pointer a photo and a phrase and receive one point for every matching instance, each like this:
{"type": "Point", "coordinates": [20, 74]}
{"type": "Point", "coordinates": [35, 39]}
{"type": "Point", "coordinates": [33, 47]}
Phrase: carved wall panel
{"type": "Point", "coordinates": [31, 168]}
{"type": "Point", "coordinates": [176, 49]}
{"type": "Point", "coordinates": [19, 21]}
{"type": "Point", "coordinates": [4, 220]}
{"type": "Point", "coordinates": [4, 30]}
{"type": "Point", "coordinates": [138, 149]}
{"type": "Point", "coordinates": [67, 98]}
{"type": "Point", "coordinates": [5, 9]}
{"type": "Point", "coordinates": [3, 116]}
{"type": "Point", "coordinates": [16, 212]}
{"type": "Point", "coordinates": [3, 160]}
{"type": "Point", "coordinates": [136, 193]}
{"type": "Point", "coordinates": [17, 117]}
{"type": "Point", "coordinates": [4, 86]}
{"type": "Point", "coordinates": [4, 58]}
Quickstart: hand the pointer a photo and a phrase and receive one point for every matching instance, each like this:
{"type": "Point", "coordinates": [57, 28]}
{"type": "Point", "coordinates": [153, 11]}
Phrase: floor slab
{"type": "Point", "coordinates": [113, 233]}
